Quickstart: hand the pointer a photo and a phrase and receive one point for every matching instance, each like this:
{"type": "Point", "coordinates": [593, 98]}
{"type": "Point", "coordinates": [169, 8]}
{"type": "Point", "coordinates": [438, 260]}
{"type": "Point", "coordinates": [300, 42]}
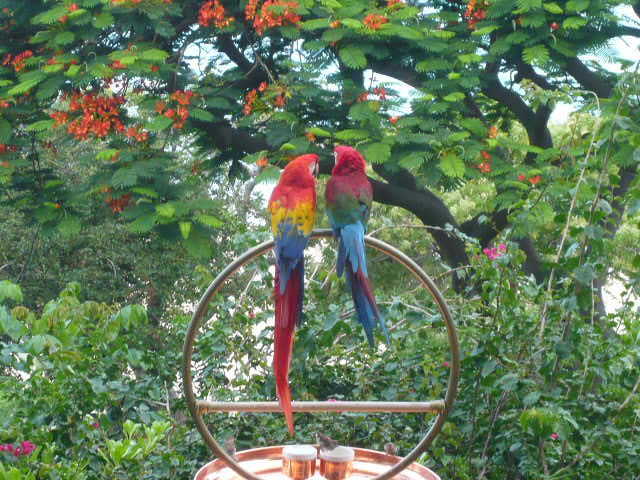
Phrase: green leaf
{"type": "Point", "coordinates": [72, 71]}
{"type": "Point", "coordinates": [103, 20]}
{"type": "Point", "coordinates": [353, 57]}
{"type": "Point", "coordinates": [433, 64]}
{"type": "Point", "coordinates": [210, 220]}
{"type": "Point", "coordinates": [318, 132]}
{"type": "Point", "coordinates": [51, 16]}
{"type": "Point", "coordinates": [377, 152]}
{"type": "Point", "coordinates": [107, 154]}
{"type": "Point", "coordinates": [145, 191]}
{"type": "Point", "coordinates": [5, 130]}
{"type": "Point", "coordinates": [23, 87]}
{"type": "Point", "coordinates": [160, 122]}
{"type": "Point", "coordinates": [154, 55]}
{"type": "Point", "coordinates": [166, 210]}
{"type": "Point", "coordinates": [527, 5]}
{"type": "Point", "coordinates": [452, 165]}
{"type": "Point", "coordinates": [198, 244]}
{"type": "Point", "coordinates": [10, 325]}
{"type": "Point", "coordinates": [552, 7]}
{"type": "Point", "coordinates": [63, 38]}
{"type": "Point", "coordinates": [201, 114]}
{"type": "Point", "coordinates": [574, 23]}
{"type": "Point", "coordinates": [143, 224]}
{"type": "Point", "coordinates": [69, 226]}
{"type": "Point", "coordinates": [40, 125]}
{"type": "Point", "coordinates": [536, 55]}
{"type": "Point", "coordinates": [454, 97]}
{"type": "Point", "coordinates": [530, 399]}
{"type": "Point", "coordinates": [124, 177]}
{"type": "Point", "coordinates": [315, 24]}
{"type": "Point", "coordinates": [50, 87]}
{"type": "Point", "coordinates": [488, 368]}
{"type": "Point", "coordinates": [351, 134]}
{"type": "Point", "coordinates": [584, 274]}
{"type": "Point", "coordinates": [10, 290]}
{"type": "Point", "coordinates": [185, 229]}
{"type": "Point", "coordinates": [577, 5]}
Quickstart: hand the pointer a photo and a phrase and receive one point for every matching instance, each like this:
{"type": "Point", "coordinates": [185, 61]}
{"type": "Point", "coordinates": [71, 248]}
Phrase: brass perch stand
{"type": "Point", "coordinates": [439, 407]}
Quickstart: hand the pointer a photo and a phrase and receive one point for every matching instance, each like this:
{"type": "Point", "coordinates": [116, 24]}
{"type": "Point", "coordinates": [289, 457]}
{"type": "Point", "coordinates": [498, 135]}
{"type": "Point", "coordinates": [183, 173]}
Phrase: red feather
{"type": "Point", "coordinates": [287, 311]}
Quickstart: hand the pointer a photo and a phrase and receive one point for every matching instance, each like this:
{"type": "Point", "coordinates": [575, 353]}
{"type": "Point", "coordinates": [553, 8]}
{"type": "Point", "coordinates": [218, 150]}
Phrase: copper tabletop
{"type": "Point", "coordinates": [267, 463]}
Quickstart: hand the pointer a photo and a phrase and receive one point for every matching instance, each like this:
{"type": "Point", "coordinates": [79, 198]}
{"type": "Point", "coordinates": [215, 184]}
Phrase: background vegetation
{"type": "Point", "coordinates": [139, 138]}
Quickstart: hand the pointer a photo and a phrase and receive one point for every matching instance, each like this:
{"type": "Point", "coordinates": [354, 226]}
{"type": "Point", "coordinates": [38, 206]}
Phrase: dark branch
{"type": "Point", "coordinates": [586, 78]}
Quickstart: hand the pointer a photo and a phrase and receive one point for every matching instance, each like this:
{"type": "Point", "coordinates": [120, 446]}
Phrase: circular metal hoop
{"type": "Point", "coordinates": [261, 249]}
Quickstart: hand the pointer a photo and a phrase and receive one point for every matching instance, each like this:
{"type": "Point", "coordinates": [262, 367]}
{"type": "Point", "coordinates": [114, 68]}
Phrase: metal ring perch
{"type": "Point", "coordinates": [441, 407]}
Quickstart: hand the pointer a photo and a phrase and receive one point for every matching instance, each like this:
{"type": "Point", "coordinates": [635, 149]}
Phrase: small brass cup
{"type": "Point", "coordinates": [336, 464]}
{"type": "Point", "coordinates": [299, 461]}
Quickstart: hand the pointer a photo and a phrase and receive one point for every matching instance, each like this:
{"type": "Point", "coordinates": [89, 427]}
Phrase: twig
{"type": "Point", "coordinates": [490, 433]}
{"type": "Point", "coordinates": [633, 391]}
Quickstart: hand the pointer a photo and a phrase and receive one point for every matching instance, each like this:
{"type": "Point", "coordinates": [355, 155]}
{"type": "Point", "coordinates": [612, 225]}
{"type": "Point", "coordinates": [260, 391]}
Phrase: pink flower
{"type": "Point", "coordinates": [493, 252]}
{"type": "Point", "coordinates": [331, 400]}
{"type": "Point", "coordinates": [554, 436]}
{"type": "Point", "coordinates": [446, 364]}
{"type": "Point", "coordinates": [95, 424]}
{"type": "Point", "coordinates": [27, 447]}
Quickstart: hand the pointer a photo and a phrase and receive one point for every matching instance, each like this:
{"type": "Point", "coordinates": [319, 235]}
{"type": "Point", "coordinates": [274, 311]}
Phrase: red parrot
{"type": "Point", "coordinates": [293, 213]}
{"type": "Point", "coordinates": [349, 197]}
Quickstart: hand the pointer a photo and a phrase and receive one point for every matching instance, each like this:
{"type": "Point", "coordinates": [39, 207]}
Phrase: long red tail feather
{"type": "Point", "coordinates": [287, 312]}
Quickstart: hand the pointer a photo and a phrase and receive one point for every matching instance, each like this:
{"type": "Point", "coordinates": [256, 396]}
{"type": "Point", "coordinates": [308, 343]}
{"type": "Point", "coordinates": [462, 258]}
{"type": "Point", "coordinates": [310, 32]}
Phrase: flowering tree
{"type": "Point", "coordinates": [140, 106]}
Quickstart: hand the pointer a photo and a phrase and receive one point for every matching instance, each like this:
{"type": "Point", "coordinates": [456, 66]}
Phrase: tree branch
{"type": "Point", "coordinates": [586, 78]}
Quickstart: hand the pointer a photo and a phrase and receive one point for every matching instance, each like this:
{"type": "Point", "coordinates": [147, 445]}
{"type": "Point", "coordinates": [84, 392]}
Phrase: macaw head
{"type": "Point", "coordinates": [302, 169]}
{"type": "Point", "coordinates": [348, 160]}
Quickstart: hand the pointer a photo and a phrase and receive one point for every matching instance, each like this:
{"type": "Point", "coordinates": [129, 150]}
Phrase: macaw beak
{"type": "Point", "coordinates": [335, 157]}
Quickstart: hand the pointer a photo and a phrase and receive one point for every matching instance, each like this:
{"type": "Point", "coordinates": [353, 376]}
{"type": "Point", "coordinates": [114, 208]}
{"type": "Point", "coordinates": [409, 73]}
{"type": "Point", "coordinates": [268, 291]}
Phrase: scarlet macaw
{"type": "Point", "coordinates": [293, 213]}
{"type": "Point", "coordinates": [349, 197]}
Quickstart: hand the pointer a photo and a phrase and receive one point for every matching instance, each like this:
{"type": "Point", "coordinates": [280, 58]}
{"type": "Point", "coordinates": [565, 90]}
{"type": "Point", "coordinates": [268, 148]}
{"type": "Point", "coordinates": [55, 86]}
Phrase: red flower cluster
{"type": "Point", "coordinates": [135, 133]}
{"type": "Point", "coordinates": [267, 18]}
{"type": "Point", "coordinates": [249, 101]}
{"type": "Point", "coordinates": [280, 101]}
{"type": "Point", "coordinates": [473, 14]}
{"type": "Point", "coordinates": [100, 116]}
{"type": "Point", "coordinates": [310, 136]}
{"type": "Point", "coordinates": [4, 148]}
{"type": "Point", "coordinates": [391, 3]}
{"type": "Point", "coordinates": [394, 120]}
{"type": "Point", "coordinates": [25, 448]}
{"type": "Point", "coordinates": [213, 11]}
{"type": "Point", "coordinates": [117, 65]}
{"type": "Point", "coordinates": [381, 92]}
{"type": "Point", "coordinates": [180, 114]}
{"type": "Point", "coordinates": [118, 205]}
{"type": "Point", "coordinates": [263, 86]}
{"type": "Point", "coordinates": [373, 21]}
{"type": "Point", "coordinates": [532, 180]}
{"type": "Point", "coordinates": [493, 132]}
{"type": "Point", "coordinates": [251, 9]}
{"type": "Point", "coordinates": [4, 104]}
{"type": "Point", "coordinates": [182, 97]}
{"type": "Point", "coordinates": [485, 166]}
{"type": "Point", "coordinates": [18, 60]}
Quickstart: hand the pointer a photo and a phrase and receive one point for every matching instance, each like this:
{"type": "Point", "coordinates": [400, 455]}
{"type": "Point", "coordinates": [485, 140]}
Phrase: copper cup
{"type": "Point", "coordinates": [336, 464]}
{"type": "Point", "coordinates": [299, 461]}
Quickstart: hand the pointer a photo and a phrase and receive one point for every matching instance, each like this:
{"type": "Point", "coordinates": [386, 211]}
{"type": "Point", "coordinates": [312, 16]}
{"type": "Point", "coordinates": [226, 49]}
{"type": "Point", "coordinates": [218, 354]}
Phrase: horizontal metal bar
{"type": "Point", "coordinates": [435, 406]}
